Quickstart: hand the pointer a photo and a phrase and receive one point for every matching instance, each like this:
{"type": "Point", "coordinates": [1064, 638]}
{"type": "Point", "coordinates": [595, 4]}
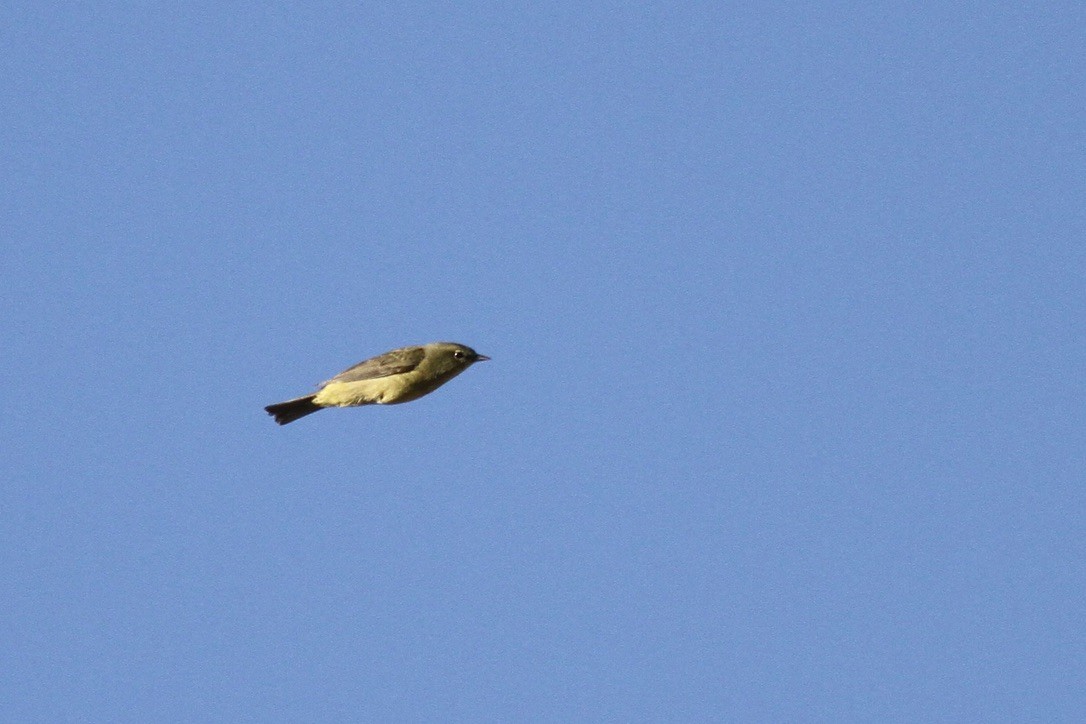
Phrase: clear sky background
{"type": "Point", "coordinates": [786, 416]}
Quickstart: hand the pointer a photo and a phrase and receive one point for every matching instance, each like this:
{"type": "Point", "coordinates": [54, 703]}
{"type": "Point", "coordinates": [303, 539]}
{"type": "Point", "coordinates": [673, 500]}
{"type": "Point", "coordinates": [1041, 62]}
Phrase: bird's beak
{"type": "Point", "coordinates": [481, 358]}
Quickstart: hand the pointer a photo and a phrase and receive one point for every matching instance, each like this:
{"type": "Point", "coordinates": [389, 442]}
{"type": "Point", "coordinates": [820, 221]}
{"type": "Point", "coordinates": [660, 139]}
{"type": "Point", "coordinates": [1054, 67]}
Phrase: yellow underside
{"type": "Point", "coordinates": [381, 391]}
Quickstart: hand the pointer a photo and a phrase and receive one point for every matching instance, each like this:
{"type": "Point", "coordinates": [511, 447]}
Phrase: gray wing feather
{"type": "Point", "coordinates": [390, 363]}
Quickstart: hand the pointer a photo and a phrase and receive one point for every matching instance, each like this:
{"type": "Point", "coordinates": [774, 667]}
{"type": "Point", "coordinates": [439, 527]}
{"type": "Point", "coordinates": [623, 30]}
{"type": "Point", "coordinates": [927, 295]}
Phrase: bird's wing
{"type": "Point", "coordinates": [390, 363]}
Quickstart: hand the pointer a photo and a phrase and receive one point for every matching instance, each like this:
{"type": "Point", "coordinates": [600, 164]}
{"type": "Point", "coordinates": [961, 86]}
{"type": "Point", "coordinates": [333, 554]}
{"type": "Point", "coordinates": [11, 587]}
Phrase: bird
{"type": "Point", "coordinates": [401, 375]}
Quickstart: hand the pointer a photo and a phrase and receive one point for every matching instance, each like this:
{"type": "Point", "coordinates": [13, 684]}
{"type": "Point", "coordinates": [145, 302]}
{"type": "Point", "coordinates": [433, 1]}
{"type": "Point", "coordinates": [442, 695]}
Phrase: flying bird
{"type": "Point", "coordinates": [401, 375]}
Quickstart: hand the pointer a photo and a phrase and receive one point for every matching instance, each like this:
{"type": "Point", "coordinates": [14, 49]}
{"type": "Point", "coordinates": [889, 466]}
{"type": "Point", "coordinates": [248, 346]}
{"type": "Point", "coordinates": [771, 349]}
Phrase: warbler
{"type": "Point", "coordinates": [401, 375]}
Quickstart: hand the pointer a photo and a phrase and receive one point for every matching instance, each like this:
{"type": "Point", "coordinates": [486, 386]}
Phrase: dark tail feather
{"type": "Point", "coordinates": [292, 410]}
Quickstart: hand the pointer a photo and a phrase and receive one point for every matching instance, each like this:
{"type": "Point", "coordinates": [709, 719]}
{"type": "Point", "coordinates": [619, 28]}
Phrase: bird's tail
{"type": "Point", "coordinates": [292, 410]}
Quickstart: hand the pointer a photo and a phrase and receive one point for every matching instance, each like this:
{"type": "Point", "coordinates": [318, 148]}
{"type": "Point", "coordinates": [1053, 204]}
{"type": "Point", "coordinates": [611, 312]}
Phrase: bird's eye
{"type": "Point", "coordinates": [458, 354]}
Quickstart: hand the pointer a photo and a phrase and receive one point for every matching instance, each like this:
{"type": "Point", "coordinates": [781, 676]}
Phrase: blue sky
{"type": "Point", "coordinates": [787, 408]}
